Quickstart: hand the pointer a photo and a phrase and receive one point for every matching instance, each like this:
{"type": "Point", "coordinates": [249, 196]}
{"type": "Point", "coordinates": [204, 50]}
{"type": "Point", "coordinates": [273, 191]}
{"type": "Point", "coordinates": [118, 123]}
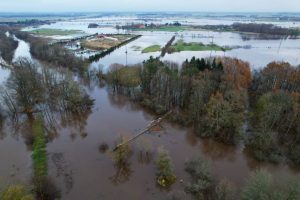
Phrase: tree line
{"type": "Point", "coordinates": [268, 29]}
{"type": "Point", "coordinates": [55, 54]}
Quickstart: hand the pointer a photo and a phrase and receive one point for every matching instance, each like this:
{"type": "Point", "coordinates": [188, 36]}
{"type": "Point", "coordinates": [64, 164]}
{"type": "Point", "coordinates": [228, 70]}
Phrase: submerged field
{"type": "Point", "coordinates": [55, 32]}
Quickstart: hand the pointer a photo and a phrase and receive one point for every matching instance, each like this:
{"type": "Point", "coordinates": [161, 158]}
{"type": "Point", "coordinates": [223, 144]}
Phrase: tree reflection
{"type": "Point", "coordinates": [217, 151]}
{"type": "Point", "coordinates": [33, 90]}
{"type": "Point", "coordinates": [121, 157]}
{"type": "Point", "coordinates": [123, 173]}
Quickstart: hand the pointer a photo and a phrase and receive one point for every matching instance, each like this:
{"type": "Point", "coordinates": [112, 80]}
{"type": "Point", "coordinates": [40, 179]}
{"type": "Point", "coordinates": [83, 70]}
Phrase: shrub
{"type": "Point", "coordinates": [259, 187]}
{"type": "Point", "coordinates": [16, 192]}
{"type": "Point", "coordinates": [225, 191]}
{"type": "Point", "coordinates": [165, 175]}
{"type": "Point", "coordinates": [202, 181]}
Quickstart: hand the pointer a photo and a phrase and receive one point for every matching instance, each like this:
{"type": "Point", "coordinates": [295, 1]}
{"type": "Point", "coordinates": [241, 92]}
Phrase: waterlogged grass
{"type": "Point", "coordinates": [180, 45]}
{"type": "Point", "coordinates": [53, 32]}
{"type": "Point", "coordinates": [39, 154]}
{"type": "Point", "coordinates": [126, 76]}
{"type": "Point", "coordinates": [153, 48]}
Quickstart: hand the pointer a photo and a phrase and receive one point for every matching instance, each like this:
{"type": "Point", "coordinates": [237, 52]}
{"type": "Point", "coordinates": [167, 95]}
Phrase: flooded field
{"type": "Point", "coordinates": [82, 171]}
{"type": "Point", "coordinates": [258, 52]}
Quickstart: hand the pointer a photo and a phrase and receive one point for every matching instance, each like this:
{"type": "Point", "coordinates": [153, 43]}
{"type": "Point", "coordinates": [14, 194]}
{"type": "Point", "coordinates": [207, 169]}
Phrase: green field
{"type": "Point", "coordinates": [153, 48]}
{"type": "Point", "coordinates": [53, 32]}
{"type": "Point", "coordinates": [180, 45]}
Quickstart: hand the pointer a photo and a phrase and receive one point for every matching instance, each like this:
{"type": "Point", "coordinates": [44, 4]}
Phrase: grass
{"type": "Point", "coordinates": [39, 154]}
{"type": "Point", "coordinates": [153, 48]}
{"type": "Point", "coordinates": [126, 76]}
{"type": "Point", "coordinates": [53, 32]}
{"type": "Point", "coordinates": [180, 45]}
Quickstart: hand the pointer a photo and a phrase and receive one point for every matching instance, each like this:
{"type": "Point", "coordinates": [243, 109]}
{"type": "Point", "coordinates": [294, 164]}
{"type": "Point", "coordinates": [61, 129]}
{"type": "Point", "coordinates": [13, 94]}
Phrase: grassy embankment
{"type": "Point", "coordinates": [152, 48]}
{"type": "Point", "coordinates": [53, 32]}
{"type": "Point", "coordinates": [180, 45]}
{"type": "Point", "coordinates": [39, 155]}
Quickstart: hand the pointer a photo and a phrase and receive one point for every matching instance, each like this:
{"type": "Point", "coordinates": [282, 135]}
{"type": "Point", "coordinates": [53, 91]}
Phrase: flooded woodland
{"type": "Point", "coordinates": [74, 117]}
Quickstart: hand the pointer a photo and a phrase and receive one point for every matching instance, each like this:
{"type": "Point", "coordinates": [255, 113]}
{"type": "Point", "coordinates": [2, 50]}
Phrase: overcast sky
{"type": "Point", "coordinates": [150, 5]}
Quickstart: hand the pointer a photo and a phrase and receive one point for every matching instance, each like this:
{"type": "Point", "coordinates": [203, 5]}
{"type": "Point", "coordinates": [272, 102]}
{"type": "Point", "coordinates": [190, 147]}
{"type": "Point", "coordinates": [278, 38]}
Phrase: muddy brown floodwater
{"type": "Point", "coordinates": [81, 171]}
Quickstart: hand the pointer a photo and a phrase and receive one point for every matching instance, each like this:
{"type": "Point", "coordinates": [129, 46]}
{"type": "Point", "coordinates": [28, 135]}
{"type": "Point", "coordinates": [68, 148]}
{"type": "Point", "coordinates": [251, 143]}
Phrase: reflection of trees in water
{"type": "Point", "coordinates": [120, 101]}
{"type": "Point", "coordinates": [33, 90]}
{"type": "Point", "coordinates": [75, 123]}
{"type": "Point", "coordinates": [145, 151]}
{"type": "Point", "coordinates": [218, 151]}
{"type": "Point", "coordinates": [123, 173]}
{"type": "Point", "coordinates": [121, 162]}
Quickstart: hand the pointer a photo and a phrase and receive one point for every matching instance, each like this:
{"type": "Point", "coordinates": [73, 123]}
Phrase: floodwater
{"type": "Point", "coordinates": [259, 52]}
{"type": "Point", "coordinates": [81, 171]}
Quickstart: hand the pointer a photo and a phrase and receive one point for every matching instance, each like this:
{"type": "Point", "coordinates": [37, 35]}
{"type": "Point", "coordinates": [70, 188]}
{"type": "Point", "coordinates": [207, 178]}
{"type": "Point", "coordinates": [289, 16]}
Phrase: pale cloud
{"type": "Point", "coordinates": [150, 5]}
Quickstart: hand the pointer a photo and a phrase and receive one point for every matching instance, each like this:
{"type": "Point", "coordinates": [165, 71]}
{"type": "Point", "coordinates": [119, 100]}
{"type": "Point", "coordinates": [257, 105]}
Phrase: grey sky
{"type": "Point", "coordinates": [150, 5]}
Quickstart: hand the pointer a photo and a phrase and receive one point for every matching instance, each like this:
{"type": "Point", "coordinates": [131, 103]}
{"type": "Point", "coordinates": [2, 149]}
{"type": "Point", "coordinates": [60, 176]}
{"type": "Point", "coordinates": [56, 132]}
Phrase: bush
{"type": "Point", "coordinates": [165, 175]}
{"type": "Point", "coordinates": [225, 191]}
{"type": "Point", "coordinates": [202, 184]}
{"type": "Point", "coordinates": [16, 192]}
{"type": "Point", "coordinates": [258, 187]}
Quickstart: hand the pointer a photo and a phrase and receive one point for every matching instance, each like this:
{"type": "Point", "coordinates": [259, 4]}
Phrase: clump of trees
{"type": "Point", "coordinates": [54, 54]}
{"type": "Point", "coordinates": [261, 186]}
{"type": "Point", "coordinates": [194, 91]}
{"type": "Point", "coordinates": [262, 29]}
{"type": "Point", "coordinates": [165, 176]}
{"type": "Point", "coordinates": [204, 186]}
{"type": "Point", "coordinates": [8, 45]}
{"type": "Point", "coordinates": [275, 96]}
{"type": "Point", "coordinates": [32, 90]}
